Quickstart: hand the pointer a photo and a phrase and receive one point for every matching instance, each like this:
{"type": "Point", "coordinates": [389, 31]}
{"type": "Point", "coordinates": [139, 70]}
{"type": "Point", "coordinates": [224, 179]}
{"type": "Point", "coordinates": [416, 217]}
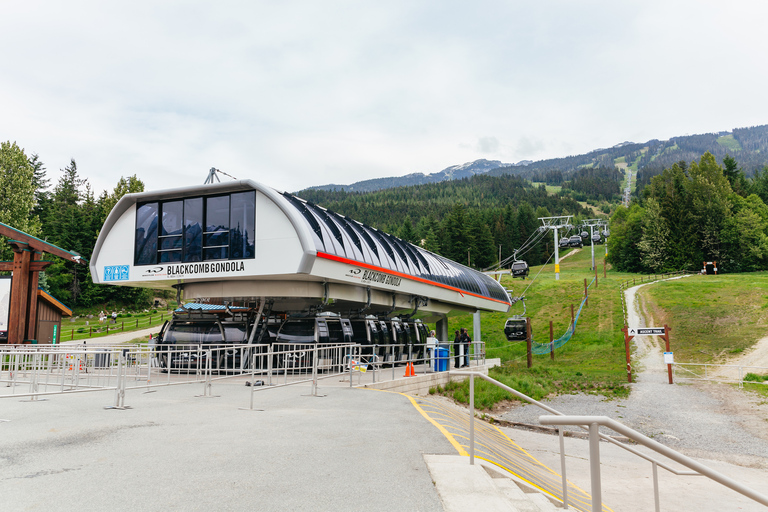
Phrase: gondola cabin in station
{"type": "Point", "coordinates": [515, 328]}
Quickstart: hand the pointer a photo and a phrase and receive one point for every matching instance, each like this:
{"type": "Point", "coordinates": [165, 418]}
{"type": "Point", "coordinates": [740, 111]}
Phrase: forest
{"type": "Point", "coordinates": [65, 213]}
{"type": "Point", "coordinates": [468, 220]}
{"type": "Point", "coordinates": [691, 213]}
{"type": "Point", "coordinates": [684, 214]}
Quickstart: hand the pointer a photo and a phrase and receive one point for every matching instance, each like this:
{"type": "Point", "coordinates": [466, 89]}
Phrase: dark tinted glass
{"type": "Point", "coordinates": [242, 220]}
{"type": "Point", "coordinates": [172, 218]}
{"type": "Point", "coordinates": [193, 229]}
{"type": "Point", "coordinates": [216, 237]}
{"type": "Point", "coordinates": [146, 234]}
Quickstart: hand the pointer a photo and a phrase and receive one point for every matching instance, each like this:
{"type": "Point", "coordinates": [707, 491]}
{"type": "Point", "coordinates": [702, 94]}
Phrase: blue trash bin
{"type": "Point", "coordinates": [442, 355]}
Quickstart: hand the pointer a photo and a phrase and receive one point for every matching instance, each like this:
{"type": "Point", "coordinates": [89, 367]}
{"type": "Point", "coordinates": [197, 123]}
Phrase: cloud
{"type": "Point", "coordinates": [527, 148]}
{"type": "Point", "coordinates": [488, 145]}
{"type": "Point", "coordinates": [307, 93]}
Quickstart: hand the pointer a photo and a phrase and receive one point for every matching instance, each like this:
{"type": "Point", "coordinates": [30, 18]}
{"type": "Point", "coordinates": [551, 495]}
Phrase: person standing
{"type": "Point", "coordinates": [431, 347]}
{"type": "Point", "coordinates": [465, 341]}
{"type": "Point", "coordinates": [457, 349]}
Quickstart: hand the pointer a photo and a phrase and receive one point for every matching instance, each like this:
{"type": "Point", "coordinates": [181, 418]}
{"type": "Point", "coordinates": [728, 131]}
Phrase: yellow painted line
{"type": "Point", "coordinates": [442, 429]}
{"type": "Point", "coordinates": [492, 446]}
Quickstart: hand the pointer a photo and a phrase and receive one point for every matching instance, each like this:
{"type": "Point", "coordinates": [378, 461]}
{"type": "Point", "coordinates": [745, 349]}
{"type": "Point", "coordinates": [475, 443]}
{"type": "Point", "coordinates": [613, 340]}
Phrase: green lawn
{"type": "Point", "coordinates": [592, 361]}
{"type": "Point", "coordinates": [551, 189]}
{"type": "Point", "coordinates": [728, 142]}
{"type": "Point", "coordinates": [85, 328]}
{"type": "Point", "coordinates": [711, 317]}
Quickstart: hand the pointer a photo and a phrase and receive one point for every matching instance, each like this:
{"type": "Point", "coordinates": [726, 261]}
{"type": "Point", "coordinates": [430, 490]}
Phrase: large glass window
{"type": "Point", "coordinates": [196, 229]}
{"type": "Point", "coordinates": [241, 225]}
{"type": "Point", "coordinates": [171, 232]}
{"type": "Point", "coordinates": [193, 229]}
{"type": "Point", "coordinates": [216, 235]}
{"type": "Point", "coordinates": [146, 234]}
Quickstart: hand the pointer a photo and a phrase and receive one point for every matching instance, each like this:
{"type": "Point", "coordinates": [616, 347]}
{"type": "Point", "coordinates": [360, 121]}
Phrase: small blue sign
{"type": "Point", "coordinates": [116, 273]}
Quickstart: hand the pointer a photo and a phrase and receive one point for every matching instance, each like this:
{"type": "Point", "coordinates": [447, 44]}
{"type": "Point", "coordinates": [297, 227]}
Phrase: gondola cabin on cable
{"type": "Point", "coordinates": [606, 232]}
{"type": "Point", "coordinates": [584, 234]}
{"type": "Point", "coordinates": [515, 328]}
{"type": "Point", "coordinates": [564, 242]}
{"type": "Point", "coordinates": [597, 239]}
{"type": "Point", "coordinates": [519, 269]}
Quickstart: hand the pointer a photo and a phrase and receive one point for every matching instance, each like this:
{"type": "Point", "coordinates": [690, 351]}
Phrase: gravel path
{"type": "Point", "coordinates": [703, 420]}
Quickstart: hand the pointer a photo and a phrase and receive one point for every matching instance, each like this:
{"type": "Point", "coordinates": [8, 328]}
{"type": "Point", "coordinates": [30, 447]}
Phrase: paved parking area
{"type": "Point", "coordinates": [349, 450]}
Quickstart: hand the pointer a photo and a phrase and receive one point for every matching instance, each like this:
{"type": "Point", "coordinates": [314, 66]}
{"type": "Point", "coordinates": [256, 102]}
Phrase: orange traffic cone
{"type": "Point", "coordinates": [409, 371]}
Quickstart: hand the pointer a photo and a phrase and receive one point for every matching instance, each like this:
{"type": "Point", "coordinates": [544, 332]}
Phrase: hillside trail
{"type": "Point", "coordinates": [732, 420]}
{"type": "Point", "coordinates": [753, 360]}
{"type": "Point", "coordinates": [701, 419]}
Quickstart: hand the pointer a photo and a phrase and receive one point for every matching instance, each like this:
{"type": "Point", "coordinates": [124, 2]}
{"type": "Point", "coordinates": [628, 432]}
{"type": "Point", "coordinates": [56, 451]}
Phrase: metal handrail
{"type": "Point", "coordinates": [554, 420]}
{"type": "Point", "coordinates": [594, 455]}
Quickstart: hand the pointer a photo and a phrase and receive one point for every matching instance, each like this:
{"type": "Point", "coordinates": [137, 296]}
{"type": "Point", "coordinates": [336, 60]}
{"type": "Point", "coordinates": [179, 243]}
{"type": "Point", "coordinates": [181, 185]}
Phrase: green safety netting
{"type": "Point", "coordinates": [546, 348]}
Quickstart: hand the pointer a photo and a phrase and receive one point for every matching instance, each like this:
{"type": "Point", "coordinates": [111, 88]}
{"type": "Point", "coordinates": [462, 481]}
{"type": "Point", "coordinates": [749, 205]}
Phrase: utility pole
{"type": "Point", "coordinates": [555, 224]}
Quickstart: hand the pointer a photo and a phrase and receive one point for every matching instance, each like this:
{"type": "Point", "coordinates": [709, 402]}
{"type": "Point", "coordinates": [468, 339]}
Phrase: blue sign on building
{"type": "Point", "coordinates": [116, 273]}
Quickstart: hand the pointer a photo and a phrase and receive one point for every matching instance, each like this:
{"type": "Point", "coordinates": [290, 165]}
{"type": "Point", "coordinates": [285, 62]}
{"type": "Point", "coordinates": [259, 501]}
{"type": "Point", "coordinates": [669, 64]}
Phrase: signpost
{"type": "Point", "coordinates": [631, 332]}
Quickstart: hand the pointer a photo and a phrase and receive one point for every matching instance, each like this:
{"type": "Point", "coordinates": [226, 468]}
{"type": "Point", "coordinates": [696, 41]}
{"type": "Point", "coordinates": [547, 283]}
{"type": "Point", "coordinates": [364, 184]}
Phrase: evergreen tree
{"type": "Point", "coordinates": [484, 247]}
{"type": "Point", "coordinates": [407, 232]}
{"type": "Point", "coordinates": [653, 244]}
{"type": "Point", "coordinates": [17, 194]}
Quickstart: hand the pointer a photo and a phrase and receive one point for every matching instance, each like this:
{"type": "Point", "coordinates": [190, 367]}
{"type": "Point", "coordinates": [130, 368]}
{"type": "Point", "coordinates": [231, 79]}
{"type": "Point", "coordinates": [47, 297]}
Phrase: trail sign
{"type": "Point", "coordinates": [653, 331]}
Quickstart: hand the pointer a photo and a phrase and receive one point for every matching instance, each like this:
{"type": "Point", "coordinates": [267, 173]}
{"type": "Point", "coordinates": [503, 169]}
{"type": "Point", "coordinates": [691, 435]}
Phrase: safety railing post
{"type": "Point", "coordinates": [207, 380]}
{"type": "Point", "coordinates": [253, 378]}
{"type": "Point", "coordinates": [392, 352]}
{"type": "Point", "coordinates": [373, 362]}
{"type": "Point", "coordinates": [314, 371]}
{"type": "Point", "coordinates": [656, 486]}
{"type": "Point", "coordinates": [594, 467]}
{"type": "Point", "coordinates": [33, 382]}
{"type": "Point", "coordinates": [471, 419]}
{"type": "Point", "coordinates": [118, 385]}
{"type": "Point", "coordinates": [349, 364]}
{"type": "Point", "coordinates": [269, 365]}
{"type": "Point", "coordinates": [562, 467]}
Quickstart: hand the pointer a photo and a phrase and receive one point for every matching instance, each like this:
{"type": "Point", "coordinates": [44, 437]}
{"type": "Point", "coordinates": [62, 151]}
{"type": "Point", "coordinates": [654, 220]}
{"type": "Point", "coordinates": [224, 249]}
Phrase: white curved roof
{"type": "Point", "coordinates": [299, 249]}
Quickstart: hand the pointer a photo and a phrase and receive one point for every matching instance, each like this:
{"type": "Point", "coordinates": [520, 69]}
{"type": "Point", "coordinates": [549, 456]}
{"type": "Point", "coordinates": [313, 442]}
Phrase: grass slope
{"type": "Point", "coordinates": [592, 361]}
{"type": "Point", "coordinates": [711, 317]}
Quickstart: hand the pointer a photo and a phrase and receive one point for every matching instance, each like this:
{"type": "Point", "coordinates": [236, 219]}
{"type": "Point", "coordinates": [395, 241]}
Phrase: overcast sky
{"type": "Point", "coordinates": [295, 94]}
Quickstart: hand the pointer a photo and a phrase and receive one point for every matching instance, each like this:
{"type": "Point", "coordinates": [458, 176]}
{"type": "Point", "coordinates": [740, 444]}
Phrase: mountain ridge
{"type": "Point", "coordinates": [749, 146]}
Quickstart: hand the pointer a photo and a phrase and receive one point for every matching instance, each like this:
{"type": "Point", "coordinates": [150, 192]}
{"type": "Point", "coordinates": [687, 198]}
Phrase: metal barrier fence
{"type": "Point", "coordinates": [728, 373]}
{"type": "Point", "coordinates": [379, 362]}
{"type": "Point", "coordinates": [34, 371]}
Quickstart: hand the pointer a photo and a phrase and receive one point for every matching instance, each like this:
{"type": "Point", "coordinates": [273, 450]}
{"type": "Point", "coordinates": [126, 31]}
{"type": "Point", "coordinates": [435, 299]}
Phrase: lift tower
{"type": "Point", "coordinates": [556, 223]}
{"type": "Point", "coordinates": [592, 224]}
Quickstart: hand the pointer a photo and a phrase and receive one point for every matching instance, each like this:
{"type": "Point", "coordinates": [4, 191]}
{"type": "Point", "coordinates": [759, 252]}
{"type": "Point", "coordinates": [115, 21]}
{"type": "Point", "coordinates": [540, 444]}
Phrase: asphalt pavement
{"type": "Point", "coordinates": [348, 450]}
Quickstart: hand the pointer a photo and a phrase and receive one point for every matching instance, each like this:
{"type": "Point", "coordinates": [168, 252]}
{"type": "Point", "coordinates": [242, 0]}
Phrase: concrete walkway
{"type": "Point", "coordinates": [120, 337]}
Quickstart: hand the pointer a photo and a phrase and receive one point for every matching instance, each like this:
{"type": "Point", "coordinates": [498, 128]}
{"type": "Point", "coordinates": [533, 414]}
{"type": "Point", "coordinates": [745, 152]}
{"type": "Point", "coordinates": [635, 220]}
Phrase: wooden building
{"type": "Point", "coordinates": [49, 313]}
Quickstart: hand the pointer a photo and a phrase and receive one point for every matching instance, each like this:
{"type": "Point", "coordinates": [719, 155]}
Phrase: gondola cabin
{"type": "Point", "coordinates": [515, 328]}
{"type": "Point", "coordinates": [596, 239]}
{"type": "Point", "coordinates": [519, 269]}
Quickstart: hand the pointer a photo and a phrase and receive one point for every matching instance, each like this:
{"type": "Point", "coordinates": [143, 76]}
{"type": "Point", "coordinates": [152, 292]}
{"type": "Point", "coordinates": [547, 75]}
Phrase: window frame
{"type": "Point", "coordinates": [184, 235]}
